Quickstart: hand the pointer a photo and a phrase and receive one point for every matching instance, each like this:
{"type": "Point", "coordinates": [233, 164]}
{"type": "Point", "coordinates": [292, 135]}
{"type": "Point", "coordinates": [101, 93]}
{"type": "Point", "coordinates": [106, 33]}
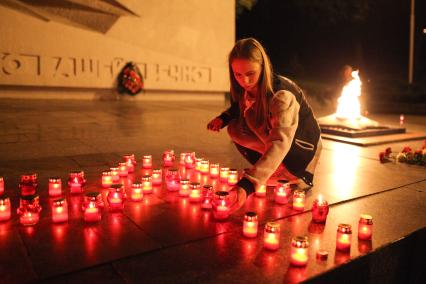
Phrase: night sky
{"type": "Point", "coordinates": [314, 39]}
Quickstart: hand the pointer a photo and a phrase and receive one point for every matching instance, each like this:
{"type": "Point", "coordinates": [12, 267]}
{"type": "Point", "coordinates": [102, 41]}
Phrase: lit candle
{"type": "Point", "coordinates": [250, 225]}
{"type": "Point", "coordinates": [172, 179]}
{"type": "Point", "coordinates": [184, 188]}
{"type": "Point", "coordinates": [223, 175]}
{"type": "Point", "coordinates": [5, 208]}
{"type": "Point", "coordinates": [189, 160]}
{"type": "Point", "coordinates": [92, 212]}
{"type": "Point", "coordinates": [76, 182]}
{"type": "Point", "coordinates": [157, 177]}
{"type": "Point", "coordinates": [207, 196]}
{"type": "Point", "coordinates": [55, 186]}
{"type": "Point", "coordinates": [116, 197]}
{"type": "Point", "coordinates": [136, 191]}
{"type": "Point", "coordinates": [271, 236]}
{"type": "Point", "coordinates": [282, 192]}
{"type": "Point", "coordinates": [195, 192]}
{"type": "Point", "coordinates": [232, 177]}
{"type": "Point", "coordinates": [123, 170]}
{"type": "Point", "coordinates": [130, 162]}
{"type": "Point", "coordinates": [205, 167]}
{"type": "Point", "coordinates": [221, 206]}
{"type": "Point", "coordinates": [214, 170]}
{"type": "Point", "coordinates": [365, 227]}
{"type": "Point", "coordinates": [106, 179]}
{"type": "Point", "coordinates": [299, 200]}
{"type": "Point", "coordinates": [261, 191]}
{"type": "Point", "coordinates": [147, 161]}
{"type": "Point", "coordinates": [114, 174]}
{"type": "Point", "coordinates": [1, 185]}
{"type": "Point", "coordinates": [198, 164]}
{"type": "Point", "coordinates": [319, 210]}
{"type": "Point", "coordinates": [344, 237]}
{"type": "Point", "coordinates": [59, 210]}
{"type": "Point", "coordinates": [29, 210]}
{"type": "Point", "coordinates": [168, 158]}
{"type": "Point", "coordinates": [182, 158]}
{"type": "Point", "coordinates": [299, 251]}
{"type": "Point", "coordinates": [147, 184]}
{"type": "Point", "coordinates": [28, 184]}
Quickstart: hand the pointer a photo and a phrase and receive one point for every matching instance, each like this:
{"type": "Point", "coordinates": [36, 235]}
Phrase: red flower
{"type": "Point", "coordinates": [388, 151]}
{"type": "Point", "coordinates": [406, 149]}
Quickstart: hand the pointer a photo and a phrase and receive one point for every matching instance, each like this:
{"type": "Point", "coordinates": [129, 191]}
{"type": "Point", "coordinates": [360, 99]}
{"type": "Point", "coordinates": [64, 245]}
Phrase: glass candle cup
{"type": "Point", "coordinates": [195, 192]}
{"type": "Point", "coordinates": [271, 236]}
{"type": "Point", "coordinates": [173, 179]}
{"type": "Point", "coordinates": [147, 162]}
{"type": "Point", "coordinates": [136, 192]}
{"type": "Point", "coordinates": [157, 177]}
{"type": "Point", "coordinates": [232, 177]}
{"type": "Point", "coordinates": [55, 186]}
{"type": "Point", "coordinates": [214, 170]}
{"type": "Point", "coordinates": [28, 184]}
{"type": "Point", "coordinates": [91, 208]}
{"type": "Point", "coordinates": [250, 225]}
{"type": "Point", "coordinates": [299, 200]}
{"type": "Point", "coordinates": [184, 188]}
{"type": "Point", "coordinates": [29, 210]}
{"type": "Point", "coordinates": [282, 192]}
{"type": "Point", "coordinates": [223, 174]}
{"type": "Point", "coordinates": [365, 227]}
{"type": "Point", "coordinates": [1, 185]}
{"type": "Point", "coordinates": [147, 184]}
{"type": "Point", "coordinates": [205, 167]}
{"type": "Point", "coordinates": [207, 196]}
{"type": "Point", "coordinates": [168, 158]}
{"type": "Point", "coordinates": [5, 208]}
{"type": "Point", "coordinates": [116, 196]}
{"type": "Point", "coordinates": [221, 205]}
{"type": "Point", "coordinates": [319, 210]}
{"type": "Point", "coordinates": [122, 169]}
{"type": "Point", "coordinates": [106, 179]}
{"type": "Point", "coordinates": [299, 251]}
{"type": "Point", "coordinates": [76, 182]}
{"type": "Point", "coordinates": [59, 210]}
{"type": "Point", "coordinates": [261, 191]}
{"type": "Point", "coordinates": [130, 162]}
{"type": "Point", "coordinates": [344, 237]}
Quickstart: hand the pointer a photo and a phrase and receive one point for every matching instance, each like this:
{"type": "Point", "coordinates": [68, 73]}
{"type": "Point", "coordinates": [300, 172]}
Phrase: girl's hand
{"type": "Point", "coordinates": [215, 124]}
{"type": "Point", "coordinates": [238, 198]}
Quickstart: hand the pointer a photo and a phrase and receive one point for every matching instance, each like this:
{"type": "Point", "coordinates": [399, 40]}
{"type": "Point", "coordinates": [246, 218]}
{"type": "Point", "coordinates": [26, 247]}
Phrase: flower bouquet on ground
{"type": "Point", "coordinates": [407, 155]}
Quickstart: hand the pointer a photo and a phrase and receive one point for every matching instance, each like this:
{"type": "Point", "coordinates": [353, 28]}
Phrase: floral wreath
{"type": "Point", "coordinates": [407, 155]}
{"type": "Point", "coordinates": [130, 79]}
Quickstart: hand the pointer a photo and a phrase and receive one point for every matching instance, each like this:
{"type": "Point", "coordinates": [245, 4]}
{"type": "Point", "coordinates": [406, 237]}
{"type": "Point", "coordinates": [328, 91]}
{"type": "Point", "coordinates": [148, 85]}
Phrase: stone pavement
{"type": "Point", "coordinates": [165, 238]}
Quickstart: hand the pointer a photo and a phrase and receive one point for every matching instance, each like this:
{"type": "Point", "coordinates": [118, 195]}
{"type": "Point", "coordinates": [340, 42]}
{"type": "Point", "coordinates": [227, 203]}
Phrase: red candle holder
{"type": "Point", "coordinates": [173, 179]}
{"type": "Point", "coordinates": [29, 210]}
{"type": "Point", "coordinates": [214, 170]}
{"type": "Point", "coordinates": [147, 161]}
{"type": "Point", "coordinates": [106, 179]}
{"type": "Point", "coordinates": [299, 200]}
{"type": "Point", "coordinates": [91, 208]}
{"type": "Point", "coordinates": [116, 196]}
{"type": "Point", "coordinates": [114, 174]}
{"type": "Point", "coordinates": [59, 210]}
{"type": "Point", "coordinates": [344, 237]}
{"type": "Point", "coordinates": [232, 177]}
{"type": "Point", "coordinates": [55, 187]}
{"type": "Point", "coordinates": [122, 169]}
{"type": "Point", "coordinates": [5, 208]}
{"type": "Point", "coordinates": [299, 251]}
{"type": "Point", "coordinates": [168, 158]}
{"type": "Point", "coordinates": [147, 184]}
{"type": "Point", "coordinates": [190, 160]}
{"type": "Point", "coordinates": [198, 164]}
{"type": "Point", "coordinates": [157, 177]}
{"type": "Point", "coordinates": [1, 185]}
{"type": "Point", "coordinates": [182, 158]}
{"type": "Point", "coordinates": [136, 192]}
{"type": "Point", "coordinates": [319, 210]}
{"type": "Point", "coordinates": [205, 167]}
{"type": "Point", "coordinates": [76, 182]}
{"type": "Point", "coordinates": [282, 192]}
{"type": "Point", "coordinates": [223, 174]}
{"type": "Point", "coordinates": [207, 197]}
{"type": "Point", "coordinates": [28, 184]}
{"type": "Point", "coordinates": [130, 162]}
{"type": "Point", "coordinates": [195, 192]}
{"type": "Point", "coordinates": [250, 225]}
{"type": "Point", "coordinates": [221, 205]}
{"type": "Point", "coordinates": [271, 236]}
{"type": "Point", "coordinates": [184, 188]}
{"type": "Point", "coordinates": [365, 227]}
{"type": "Point", "coordinates": [261, 191]}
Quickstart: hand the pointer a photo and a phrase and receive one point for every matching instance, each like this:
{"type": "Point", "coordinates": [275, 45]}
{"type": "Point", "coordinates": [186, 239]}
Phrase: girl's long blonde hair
{"type": "Point", "coordinates": [251, 49]}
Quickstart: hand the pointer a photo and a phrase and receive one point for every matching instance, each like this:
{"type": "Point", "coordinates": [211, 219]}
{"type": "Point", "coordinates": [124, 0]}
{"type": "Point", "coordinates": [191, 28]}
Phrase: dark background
{"type": "Point", "coordinates": [311, 40]}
